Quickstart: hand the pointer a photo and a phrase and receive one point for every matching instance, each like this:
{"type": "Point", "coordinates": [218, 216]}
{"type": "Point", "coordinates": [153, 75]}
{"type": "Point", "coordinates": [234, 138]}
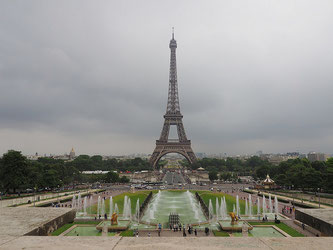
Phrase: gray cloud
{"type": "Point", "coordinates": [94, 75]}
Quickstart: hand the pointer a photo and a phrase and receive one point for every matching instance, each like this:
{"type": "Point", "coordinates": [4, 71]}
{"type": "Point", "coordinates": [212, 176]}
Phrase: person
{"type": "Point", "coordinates": [184, 233]}
{"type": "Point", "coordinates": [206, 231]}
{"type": "Point", "coordinates": [149, 234]}
{"type": "Point", "coordinates": [303, 226]}
{"type": "Point", "coordinates": [137, 233]}
{"type": "Point", "coordinates": [195, 232]}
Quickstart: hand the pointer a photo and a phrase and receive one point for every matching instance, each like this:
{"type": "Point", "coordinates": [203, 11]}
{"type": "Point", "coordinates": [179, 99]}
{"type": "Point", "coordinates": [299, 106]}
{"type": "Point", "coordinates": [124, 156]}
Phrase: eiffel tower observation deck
{"type": "Point", "coordinates": [172, 117]}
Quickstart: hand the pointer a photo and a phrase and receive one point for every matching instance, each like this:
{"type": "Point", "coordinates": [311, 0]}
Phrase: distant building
{"type": "Point", "coordinates": [72, 154]}
{"type": "Point", "coordinates": [313, 156]}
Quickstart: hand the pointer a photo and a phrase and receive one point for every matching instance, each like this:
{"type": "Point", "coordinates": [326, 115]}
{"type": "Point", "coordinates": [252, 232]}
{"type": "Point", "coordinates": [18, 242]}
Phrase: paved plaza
{"type": "Point", "coordinates": [127, 243]}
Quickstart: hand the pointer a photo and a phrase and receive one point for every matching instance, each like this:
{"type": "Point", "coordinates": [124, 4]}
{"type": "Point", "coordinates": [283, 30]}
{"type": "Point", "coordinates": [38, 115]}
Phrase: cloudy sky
{"type": "Point", "coordinates": [253, 75]}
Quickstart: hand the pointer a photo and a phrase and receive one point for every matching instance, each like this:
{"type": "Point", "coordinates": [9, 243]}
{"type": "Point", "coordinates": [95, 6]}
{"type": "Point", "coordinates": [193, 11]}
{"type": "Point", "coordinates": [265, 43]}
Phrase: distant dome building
{"type": "Point", "coordinates": [72, 154]}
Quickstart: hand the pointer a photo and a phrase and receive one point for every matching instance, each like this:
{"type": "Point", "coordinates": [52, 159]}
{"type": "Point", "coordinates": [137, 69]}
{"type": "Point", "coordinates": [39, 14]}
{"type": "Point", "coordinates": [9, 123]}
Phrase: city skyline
{"type": "Point", "coordinates": [95, 76]}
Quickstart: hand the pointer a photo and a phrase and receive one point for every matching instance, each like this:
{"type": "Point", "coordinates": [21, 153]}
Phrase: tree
{"type": "Point", "coordinates": [13, 172]}
{"type": "Point", "coordinates": [112, 177]}
{"type": "Point", "coordinates": [212, 175]}
{"type": "Point", "coordinates": [124, 179]}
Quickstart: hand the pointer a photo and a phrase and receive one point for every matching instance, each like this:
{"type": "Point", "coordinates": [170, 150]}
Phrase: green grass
{"type": "Point", "coordinates": [119, 199]}
{"type": "Point", "coordinates": [62, 229]}
{"type": "Point", "coordinates": [230, 200]}
{"type": "Point", "coordinates": [292, 232]}
{"type": "Point", "coordinates": [127, 233]}
{"type": "Point", "coordinates": [220, 233]}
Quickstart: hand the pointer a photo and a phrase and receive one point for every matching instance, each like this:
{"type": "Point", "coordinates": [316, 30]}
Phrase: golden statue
{"type": "Point", "coordinates": [234, 218]}
{"type": "Point", "coordinates": [114, 219]}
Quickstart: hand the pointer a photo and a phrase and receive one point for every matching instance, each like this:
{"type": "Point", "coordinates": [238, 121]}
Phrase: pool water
{"type": "Point", "coordinates": [166, 202]}
{"type": "Point", "coordinates": [265, 232]}
{"type": "Point", "coordinates": [84, 231]}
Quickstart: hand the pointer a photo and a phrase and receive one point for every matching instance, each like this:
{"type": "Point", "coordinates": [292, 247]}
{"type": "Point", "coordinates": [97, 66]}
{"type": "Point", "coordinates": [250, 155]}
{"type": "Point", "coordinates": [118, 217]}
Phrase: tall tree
{"type": "Point", "coordinates": [13, 172]}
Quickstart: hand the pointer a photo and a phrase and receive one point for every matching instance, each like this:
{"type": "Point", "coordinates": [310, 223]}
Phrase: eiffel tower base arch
{"type": "Point", "coordinates": [162, 149]}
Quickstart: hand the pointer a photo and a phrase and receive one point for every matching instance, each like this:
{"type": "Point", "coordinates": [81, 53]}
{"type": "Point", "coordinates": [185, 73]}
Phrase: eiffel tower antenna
{"type": "Point", "coordinates": [172, 117]}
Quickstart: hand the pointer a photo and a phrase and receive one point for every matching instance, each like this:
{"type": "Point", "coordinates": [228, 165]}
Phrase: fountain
{"type": "Point", "coordinates": [276, 204]}
{"type": "Point", "coordinates": [193, 204]}
{"type": "Point", "coordinates": [246, 208]}
{"type": "Point", "coordinates": [85, 206]}
{"type": "Point", "coordinates": [210, 210]}
{"type": "Point", "coordinates": [258, 206]}
{"type": "Point", "coordinates": [250, 206]}
{"type": "Point", "coordinates": [237, 206]}
{"type": "Point", "coordinates": [234, 209]}
{"type": "Point", "coordinates": [73, 201]}
{"type": "Point", "coordinates": [111, 206]}
{"type": "Point", "coordinates": [137, 210]}
{"type": "Point", "coordinates": [98, 206]}
{"type": "Point", "coordinates": [116, 209]}
{"type": "Point", "coordinates": [79, 202]}
{"type": "Point", "coordinates": [127, 208]}
{"type": "Point", "coordinates": [225, 207]}
{"type": "Point", "coordinates": [90, 204]}
{"type": "Point", "coordinates": [270, 203]}
{"type": "Point", "coordinates": [103, 208]}
{"type": "Point", "coordinates": [264, 210]}
{"type": "Point", "coordinates": [217, 208]}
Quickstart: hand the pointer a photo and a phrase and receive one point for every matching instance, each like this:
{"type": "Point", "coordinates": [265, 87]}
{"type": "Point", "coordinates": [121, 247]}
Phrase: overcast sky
{"type": "Point", "coordinates": [93, 75]}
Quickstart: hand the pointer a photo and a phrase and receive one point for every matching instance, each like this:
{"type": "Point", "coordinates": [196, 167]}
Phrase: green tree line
{"type": "Point", "coordinates": [19, 173]}
{"type": "Point", "coordinates": [296, 173]}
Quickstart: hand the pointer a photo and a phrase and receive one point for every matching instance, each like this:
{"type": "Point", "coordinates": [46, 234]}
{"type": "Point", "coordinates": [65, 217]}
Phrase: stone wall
{"type": "Point", "coordinates": [145, 203]}
{"type": "Point", "coordinates": [203, 205]}
{"type": "Point", "coordinates": [53, 225]}
{"type": "Point", "coordinates": [325, 227]}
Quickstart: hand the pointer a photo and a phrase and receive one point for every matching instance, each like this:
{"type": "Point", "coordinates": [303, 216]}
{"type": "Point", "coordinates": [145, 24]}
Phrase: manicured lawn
{"type": "Point", "coordinates": [127, 233]}
{"type": "Point", "coordinates": [292, 232]}
{"type": "Point", "coordinates": [220, 233]}
{"type": "Point", "coordinates": [230, 200]}
{"type": "Point", "coordinates": [119, 199]}
{"type": "Point", "coordinates": [62, 229]}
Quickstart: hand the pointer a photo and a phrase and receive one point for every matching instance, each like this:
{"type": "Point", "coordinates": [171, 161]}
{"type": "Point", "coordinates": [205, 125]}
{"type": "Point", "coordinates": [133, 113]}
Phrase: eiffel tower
{"type": "Point", "coordinates": [172, 117]}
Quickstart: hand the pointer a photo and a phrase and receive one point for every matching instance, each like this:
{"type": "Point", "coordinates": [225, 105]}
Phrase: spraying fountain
{"type": "Point", "coordinates": [246, 208]}
{"type": "Point", "coordinates": [79, 202]}
{"type": "Point", "coordinates": [264, 210]}
{"type": "Point", "coordinates": [111, 206]}
{"type": "Point", "coordinates": [250, 205]}
{"type": "Point", "coordinates": [73, 201]}
{"type": "Point", "coordinates": [270, 203]}
{"type": "Point", "coordinates": [237, 206]}
{"type": "Point", "coordinates": [210, 210]}
{"type": "Point", "coordinates": [103, 208]}
{"type": "Point", "coordinates": [258, 206]}
{"type": "Point", "coordinates": [98, 206]}
{"type": "Point", "coordinates": [85, 206]}
{"type": "Point", "coordinates": [116, 209]}
{"type": "Point", "coordinates": [137, 210]}
{"type": "Point", "coordinates": [217, 208]}
{"type": "Point", "coordinates": [276, 204]}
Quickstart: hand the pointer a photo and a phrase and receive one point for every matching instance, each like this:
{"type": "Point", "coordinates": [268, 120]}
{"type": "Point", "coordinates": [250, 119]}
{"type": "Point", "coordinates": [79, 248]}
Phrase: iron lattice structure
{"type": "Point", "coordinates": [173, 117]}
